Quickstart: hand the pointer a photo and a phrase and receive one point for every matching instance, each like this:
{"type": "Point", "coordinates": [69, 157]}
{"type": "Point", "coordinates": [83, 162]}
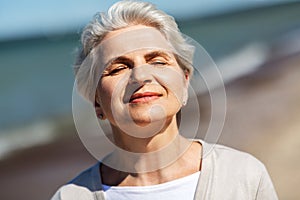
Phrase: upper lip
{"type": "Point", "coordinates": [143, 94]}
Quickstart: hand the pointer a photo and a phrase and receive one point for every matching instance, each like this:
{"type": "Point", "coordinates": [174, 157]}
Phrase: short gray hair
{"type": "Point", "coordinates": [127, 13]}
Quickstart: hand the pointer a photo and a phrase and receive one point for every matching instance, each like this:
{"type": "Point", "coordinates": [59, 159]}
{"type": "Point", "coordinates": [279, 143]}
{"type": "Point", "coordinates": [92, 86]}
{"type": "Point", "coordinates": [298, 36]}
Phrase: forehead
{"type": "Point", "coordinates": [131, 39]}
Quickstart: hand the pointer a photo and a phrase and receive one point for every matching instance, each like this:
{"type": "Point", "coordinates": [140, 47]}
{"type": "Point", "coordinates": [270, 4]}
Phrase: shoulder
{"type": "Point", "coordinates": [234, 157]}
{"type": "Point", "coordinates": [228, 173]}
{"type": "Point", "coordinates": [72, 191]}
{"type": "Point", "coordinates": [226, 157]}
{"type": "Point", "coordinates": [241, 170]}
{"type": "Point", "coordinates": [89, 178]}
{"type": "Point", "coordinates": [84, 186]}
{"type": "Point", "coordinates": [231, 165]}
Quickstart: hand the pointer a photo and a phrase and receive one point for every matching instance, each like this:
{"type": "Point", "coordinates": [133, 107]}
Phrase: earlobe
{"type": "Point", "coordinates": [101, 116]}
{"type": "Point", "coordinates": [185, 92]}
{"type": "Point", "coordinates": [99, 111]}
{"type": "Point", "coordinates": [185, 97]}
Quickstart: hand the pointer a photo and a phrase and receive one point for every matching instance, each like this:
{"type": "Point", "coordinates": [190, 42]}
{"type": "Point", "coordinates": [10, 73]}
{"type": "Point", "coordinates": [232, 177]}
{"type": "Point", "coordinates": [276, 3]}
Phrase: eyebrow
{"type": "Point", "coordinates": [121, 59]}
{"type": "Point", "coordinates": [154, 54]}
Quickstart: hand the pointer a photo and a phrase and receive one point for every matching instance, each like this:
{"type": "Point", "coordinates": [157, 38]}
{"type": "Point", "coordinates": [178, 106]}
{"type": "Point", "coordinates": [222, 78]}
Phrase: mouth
{"type": "Point", "coordinates": [144, 97]}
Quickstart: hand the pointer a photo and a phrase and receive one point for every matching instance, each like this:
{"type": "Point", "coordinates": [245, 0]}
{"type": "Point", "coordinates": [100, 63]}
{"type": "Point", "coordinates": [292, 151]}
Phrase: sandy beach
{"type": "Point", "coordinates": [263, 115]}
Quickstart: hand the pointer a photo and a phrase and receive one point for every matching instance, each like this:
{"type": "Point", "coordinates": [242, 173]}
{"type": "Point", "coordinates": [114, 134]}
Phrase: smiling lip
{"type": "Point", "coordinates": [144, 97]}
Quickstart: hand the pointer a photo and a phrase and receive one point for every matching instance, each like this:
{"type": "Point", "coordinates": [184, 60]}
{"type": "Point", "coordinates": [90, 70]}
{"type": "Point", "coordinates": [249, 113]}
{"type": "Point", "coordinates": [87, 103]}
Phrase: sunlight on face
{"type": "Point", "coordinates": [141, 87]}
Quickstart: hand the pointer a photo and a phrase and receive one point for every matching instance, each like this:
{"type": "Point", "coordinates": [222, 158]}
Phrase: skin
{"type": "Point", "coordinates": [140, 94]}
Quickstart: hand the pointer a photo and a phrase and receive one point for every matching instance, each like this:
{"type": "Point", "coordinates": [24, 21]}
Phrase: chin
{"type": "Point", "coordinates": [146, 119]}
{"type": "Point", "coordinates": [159, 120]}
{"type": "Point", "coordinates": [147, 122]}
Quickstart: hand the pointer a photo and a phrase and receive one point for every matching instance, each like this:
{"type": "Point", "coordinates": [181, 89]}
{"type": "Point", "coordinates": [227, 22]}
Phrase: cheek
{"type": "Point", "coordinates": [173, 81]}
{"type": "Point", "coordinates": [104, 92]}
{"type": "Point", "coordinates": [111, 89]}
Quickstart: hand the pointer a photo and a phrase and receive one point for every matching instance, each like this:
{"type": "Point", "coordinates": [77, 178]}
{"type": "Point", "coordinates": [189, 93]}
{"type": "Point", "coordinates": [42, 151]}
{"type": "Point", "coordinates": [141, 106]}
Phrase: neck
{"type": "Point", "coordinates": [146, 139]}
{"type": "Point", "coordinates": [148, 154]}
{"type": "Point", "coordinates": [168, 165]}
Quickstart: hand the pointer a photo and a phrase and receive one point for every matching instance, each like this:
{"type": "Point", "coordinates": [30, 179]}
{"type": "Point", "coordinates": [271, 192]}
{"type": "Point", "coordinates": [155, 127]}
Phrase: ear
{"type": "Point", "coordinates": [99, 111]}
{"type": "Point", "coordinates": [187, 78]}
{"type": "Point", "coordinates": [186, 84]}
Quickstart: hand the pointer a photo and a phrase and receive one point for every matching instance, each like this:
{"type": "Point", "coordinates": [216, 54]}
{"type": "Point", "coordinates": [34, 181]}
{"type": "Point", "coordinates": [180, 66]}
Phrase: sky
{"type": "Point", "coordinates": [44, 17]}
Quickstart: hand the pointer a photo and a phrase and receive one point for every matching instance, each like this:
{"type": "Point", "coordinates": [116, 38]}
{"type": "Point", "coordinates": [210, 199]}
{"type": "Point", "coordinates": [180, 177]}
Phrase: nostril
{"type": "Point", "coordinates": [140, 82]}
{"type": "Point", "coordinates": [147, 81]}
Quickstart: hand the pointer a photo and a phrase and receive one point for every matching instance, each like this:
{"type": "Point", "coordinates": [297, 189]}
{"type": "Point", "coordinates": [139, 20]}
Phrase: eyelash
{"type": "Point", "coordinates": [158, 63]}
{"type": "Point", "coordinates": [114, 71]}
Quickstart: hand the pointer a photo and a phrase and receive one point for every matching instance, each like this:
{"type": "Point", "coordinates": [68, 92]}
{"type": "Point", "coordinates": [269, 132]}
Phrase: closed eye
{"type": "Point", "coordinates": [159, 58]}
{"type": "Point", "coordinates": [118, 69]}
{"type": "Point", "coordinates": [115, 69]}
{"type": "Point", "coordinates": [117, 66]}
{"type": "Point", "coordinates": [158, 63]}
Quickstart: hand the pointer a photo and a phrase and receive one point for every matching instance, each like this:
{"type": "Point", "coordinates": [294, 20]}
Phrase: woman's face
{"type": "Point", "coordinates": [142, 86]}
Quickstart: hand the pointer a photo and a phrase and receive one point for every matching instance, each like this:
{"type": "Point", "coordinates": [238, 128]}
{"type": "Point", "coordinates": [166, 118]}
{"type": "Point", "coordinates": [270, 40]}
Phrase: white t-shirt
{"type": "Point", "coordinates": [183, 188]}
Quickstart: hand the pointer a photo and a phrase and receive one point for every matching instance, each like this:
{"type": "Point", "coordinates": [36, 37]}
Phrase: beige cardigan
{"type": "Point", "coordinates": [226, 174]}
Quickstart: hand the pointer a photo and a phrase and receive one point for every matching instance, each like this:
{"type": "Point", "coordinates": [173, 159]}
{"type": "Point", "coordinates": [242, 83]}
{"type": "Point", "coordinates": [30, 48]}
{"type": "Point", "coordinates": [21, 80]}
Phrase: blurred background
{"type": "Point", "coordinates": [255, 44]}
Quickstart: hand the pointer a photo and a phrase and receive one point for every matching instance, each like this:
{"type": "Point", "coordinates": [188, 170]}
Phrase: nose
{"type": "Point", "coordinates": [141, 75]}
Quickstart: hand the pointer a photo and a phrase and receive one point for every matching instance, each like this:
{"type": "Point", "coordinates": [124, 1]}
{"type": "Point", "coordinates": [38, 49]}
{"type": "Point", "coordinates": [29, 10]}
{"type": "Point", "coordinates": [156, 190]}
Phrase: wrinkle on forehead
{"type": "Point", "coordinates": [129, 41]}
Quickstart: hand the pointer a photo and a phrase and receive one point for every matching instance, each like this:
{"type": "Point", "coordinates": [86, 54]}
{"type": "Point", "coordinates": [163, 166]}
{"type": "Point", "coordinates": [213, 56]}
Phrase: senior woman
{"type": "Point", "coordinates": [135, 68]}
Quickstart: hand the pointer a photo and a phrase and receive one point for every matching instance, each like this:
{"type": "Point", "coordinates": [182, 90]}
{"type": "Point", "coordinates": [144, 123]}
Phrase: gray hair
{"type": "Point", "coordinates": [127, 13]}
